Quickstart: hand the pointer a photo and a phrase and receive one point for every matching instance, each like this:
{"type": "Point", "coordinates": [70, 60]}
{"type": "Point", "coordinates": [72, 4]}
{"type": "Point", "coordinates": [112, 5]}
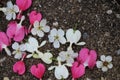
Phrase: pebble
{"type": "Point", "coordinates": [118, 15]}
{"type": "Point", "coordinates": [118, 52]}
{"type": "Point", "coordinates": [5, 78]}
{"type": "Point", "coordinates": [85, 35]}
{"type": "Point", "coordinates": [55, 23]}
{"type": "Point", "coordinates": [109, 11]}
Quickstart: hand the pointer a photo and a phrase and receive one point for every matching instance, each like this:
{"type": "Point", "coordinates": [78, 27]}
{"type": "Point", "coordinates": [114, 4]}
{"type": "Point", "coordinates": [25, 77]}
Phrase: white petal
{"type": "Point", "coordinates": [62, 40]}
{"type": "Point", "coordinates": [46, 28]}
{"type": "Point", "coordinates": [108, 58]}
{"type": "Point", "coordinates": [40, 33]}
{"type": "Point", "coordinates": [43, 22]}
{"type": "Point", "coordinates": [99, 64]}
{"type": "Point", "coordinates": [70, 60]}
{"type": "Point", "coordinates": [60, 32]}
{"type": "Point", "coordinates": [104, 69]}
{"type": "Point", "coordinates": [18, 55]}
{"type": "Point", "coordinates": [73, 36]}
{"type": "Point", "coordinates": [29, 55]}
{"type": "Point", "coordinates": [51, 68]}
{"type": "Point", "coordinates": [22, 47]}
{"type": "Point", "coordinates": [29, 48]}
{"type": "Point", "coordinates": [14, 16]}
{"type": "Point", "coordinates": [39, 53]}
{"type": "Point", "coordinates": [110, 65]}
{"type": "Point", "coordinates": [9, 4]}
{"type": "Point", "coordinates": [102, 57]}
{"type": "Point", "coordinates": [47, 58]}
{"type": "Point", "coordinates": [16, 8]}
{"type": "Point", "coordinates": [34, 31]}
{"type": "Point", "coordinates": [51, 38]}
{"type": "Point", "coordinates": [53, 32]}
{"type": "Point", "coordinates": [36, 24]}
{"type": "Point", "coordinates": [33, 41]}
{"type": "Point", "coordinates": [9, 16]}
{"type": "Point", "coordinates": [81, 43]}
{"type": "Point", "coordinates": [7, 51]}
{"type": "Point", "coordinates": [61, 72]}
{"type": "Point", "coordinates": [42, 43]}
{"type": "Point", "coordinates": [56, 44]}
{"type": "Point", "coordinates": [15, 46]}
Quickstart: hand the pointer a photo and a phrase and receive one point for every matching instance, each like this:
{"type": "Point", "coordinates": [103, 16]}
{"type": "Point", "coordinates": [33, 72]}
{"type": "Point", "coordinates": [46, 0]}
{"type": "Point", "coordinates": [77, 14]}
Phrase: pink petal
{"type": "Point", "coordinates": [92, 59]}
{"type": "Point", "coordinates": [83, 55]}
{"type": "Point", "coordinates": [34, 16]}
{"type": "Point", "coordinates": [19, 35]}
{"type": "Point", "coordinates": [38, 71]}
{"type": "Point", "coordinates": [11, 29]}
{"type": "Point", "coordinates": [77, 70]}
{"type": "Point", "coordinates": [23, 4]}
{"type": "Point", "coordinates": [19, 67]}
{"type": "Point", "coordinates": [4, 39]}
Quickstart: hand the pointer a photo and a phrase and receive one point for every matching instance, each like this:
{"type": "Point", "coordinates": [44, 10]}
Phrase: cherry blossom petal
{"type": "Point", "coordinates": [53, 32]}
{"type": "Point", "coordinates": [110, 65]}
{"type": "Point", "coordinates": [104, 69]}
{"type": "Point", "coordinates": [99, 64]}
{"type": "Point", "coordinates": [43, 22]}
{"type": "Point", "coordinates": [9, 4]}
{"type": "Point", "coordinates": [40, 33]}
{"type": "Point", "coordinates": [36, 24]}
{"type": "Point", "coordinates": [51, 38]}
{"type": "Point", "coordinates": [34, 31]}
{"type": "Point", "coordinates": [108, 58]}
{"type": "Point", "coordinates": [62, 40]}
{"type": "Point", "coordinates": [102, 57]}
{"type": "Point", "coordinates": [60, 32]}
{"type": "Point", "coordinates": [15, 46]}
{"type": "Point", "coordinates": [56, 44]}
{"type": "Point", "coordinates": [46, 28]}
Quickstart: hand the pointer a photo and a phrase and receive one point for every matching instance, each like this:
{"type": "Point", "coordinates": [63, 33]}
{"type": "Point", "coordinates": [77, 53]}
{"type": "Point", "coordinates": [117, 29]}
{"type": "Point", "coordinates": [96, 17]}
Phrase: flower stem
{"type": "Point", "coordinates": [23, 56]}
{"type": "Point", "coordinates": [70, 47]}
{"type": "Point", "coordinates": [19, 15]}
{"type": "Point", "coordinates": [40, 79]}
{"type": "Point", "coordinates": [29, 29]}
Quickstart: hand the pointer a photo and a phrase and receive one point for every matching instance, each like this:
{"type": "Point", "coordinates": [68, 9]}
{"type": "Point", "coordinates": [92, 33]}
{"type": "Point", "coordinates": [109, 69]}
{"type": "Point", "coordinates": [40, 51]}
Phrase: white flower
{"type": "Point", "coordinates": [47, 57]}
{"type": "Point", "coordinates": [61, 72]}
{"type": "Point", "coordinates": [67, 56]}
{"type": "Point", "coordinates": [56, 37]}
{"type": "Point", "coordinates": [40, 28]}
{"type": "Point", "coordinates": [10, 11]}
{"type": "Point", "coordinates": [18, 50]}
{"type": "Point", "coordinates": [105, 63]}
{"type": "Point", "coordinates": [73, 36]}
{"type": "Point", "coordinates": [32, 47]}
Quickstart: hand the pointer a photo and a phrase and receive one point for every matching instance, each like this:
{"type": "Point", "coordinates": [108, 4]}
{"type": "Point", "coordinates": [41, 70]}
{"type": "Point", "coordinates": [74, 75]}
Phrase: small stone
{"type": "Point", "coordinates": [79, 1]}
{"type": "Point", "coordinates": [55, 23]}
{"type": "Point", "coordinates": [109, 11]}
{"type": "Point", "coordinates": [5, 78]}
{"type": "Point", "coordinates": [118, 52]}
{"type": "Point", "coordinates": [85, 35]}
{"type": "Point", "coordinates": [118, 15]}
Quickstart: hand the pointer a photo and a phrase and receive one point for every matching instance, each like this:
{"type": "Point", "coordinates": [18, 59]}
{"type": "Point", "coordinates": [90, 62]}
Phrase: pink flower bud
{"type": "Point", "coordinates": [19, 67]}
{"type": "Point", "coordinates": [23, 4]}
{"type": "Point", "coordinates": [78, 70]}
{"type": "Point", "coordinates": [87, 57]}
{"type": "Point", "coordinates": [38, 70]}
{"type": "Point", "coordinates": [34, 16]}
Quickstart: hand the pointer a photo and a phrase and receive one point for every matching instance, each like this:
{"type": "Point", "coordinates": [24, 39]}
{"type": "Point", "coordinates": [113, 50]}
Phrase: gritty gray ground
{"type": "Point", "coordinates": [99, 26]}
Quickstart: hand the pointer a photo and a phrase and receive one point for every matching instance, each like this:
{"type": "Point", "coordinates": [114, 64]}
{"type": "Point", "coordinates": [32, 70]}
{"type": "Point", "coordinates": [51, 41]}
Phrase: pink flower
{"type": "Point", "coordinates": [4, 42]}
{"type": "Point", "coordinates": [19, 67]}
{"type": "Point", "coordinates": [77, 70]}
{"type": "Point", "coordinates": [34, 16]}
{"type": "Point", "coordinates": [16, 31]}
{"type": "Point", "coordinates": [87, 57]}
{"type": "Point", "coordinates": [23, 4]}
{"type": "Point", "coordinates": [38, 71]}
